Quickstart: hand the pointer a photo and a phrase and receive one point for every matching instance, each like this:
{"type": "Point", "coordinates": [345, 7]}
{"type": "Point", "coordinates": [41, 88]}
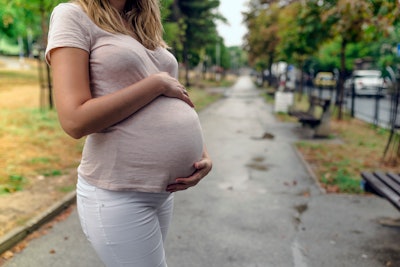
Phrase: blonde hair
{"type": "Point", "coordinates": [143, 17]}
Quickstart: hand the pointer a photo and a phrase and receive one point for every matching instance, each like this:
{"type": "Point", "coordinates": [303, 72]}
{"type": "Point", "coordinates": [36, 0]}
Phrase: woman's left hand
{"type": "Point", "coordinates": [203, 167]}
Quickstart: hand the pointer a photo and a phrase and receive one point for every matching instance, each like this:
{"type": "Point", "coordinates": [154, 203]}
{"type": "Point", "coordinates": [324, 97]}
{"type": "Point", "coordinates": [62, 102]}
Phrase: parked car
{"type": "Point", "coordinates": [366, 83]}
{"type": "Point", "coordinates": [325, 80]}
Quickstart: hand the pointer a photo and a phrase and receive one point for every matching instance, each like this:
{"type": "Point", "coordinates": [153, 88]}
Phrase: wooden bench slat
{"type": "Point", "coordinates": [395, 177]}
{"type": "Point", "coordinates": [382, 188]}
{"type": "Point", "coordinates": [388, 181]}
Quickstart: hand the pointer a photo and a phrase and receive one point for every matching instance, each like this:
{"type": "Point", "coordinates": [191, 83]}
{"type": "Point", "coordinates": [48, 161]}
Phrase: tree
{"type": "Point", "coordinates": [26, 21]}
{"type": "Point", "coordinates": [172, 31]}
{"type": "Point", "coordinates": [301, 33]}
{"type": "Point", "coordinates": [197, 20]}
{"type": "Point", "coordinates": [262, 38]}
{"type": "Point", "coordinates": [355, 21]}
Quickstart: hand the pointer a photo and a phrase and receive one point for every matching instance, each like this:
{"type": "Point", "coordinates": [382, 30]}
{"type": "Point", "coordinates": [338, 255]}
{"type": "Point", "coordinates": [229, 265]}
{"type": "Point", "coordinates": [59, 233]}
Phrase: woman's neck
{"type": "Point", "coordinates": [118, 4]}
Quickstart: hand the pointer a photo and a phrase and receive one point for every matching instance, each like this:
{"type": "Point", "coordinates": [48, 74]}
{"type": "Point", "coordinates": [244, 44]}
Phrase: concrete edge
{"type": "Point", "coordinates": [308, 168]}
{"type": "Point", "coordinates": [11, 238]}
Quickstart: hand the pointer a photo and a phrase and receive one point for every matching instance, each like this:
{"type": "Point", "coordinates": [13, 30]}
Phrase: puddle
{"type": "Point", "coordinates": [258, 159]}
{"type": "Point", "coordinates": [257, 166]}
{"type": "Point", "coordinates": [242, 188]}
{"type": "Point", "coordinates": [305, 193]}
{"type": "Point", "coordinates": [301, 208]}
{"type": "Point", "coordinates": [264, 136]}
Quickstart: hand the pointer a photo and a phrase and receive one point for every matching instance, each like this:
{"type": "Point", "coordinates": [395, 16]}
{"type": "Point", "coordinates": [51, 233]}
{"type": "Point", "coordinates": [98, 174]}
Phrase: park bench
{"type": "Point", "coordinates": [310, 118]}
{"type": "Point", "coordinates": [383, 184]}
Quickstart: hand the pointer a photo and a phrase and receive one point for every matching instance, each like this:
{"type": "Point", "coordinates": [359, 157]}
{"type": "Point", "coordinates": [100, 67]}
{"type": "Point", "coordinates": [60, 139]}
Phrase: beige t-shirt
{"type": "Point", "coordinates": [148, 150]}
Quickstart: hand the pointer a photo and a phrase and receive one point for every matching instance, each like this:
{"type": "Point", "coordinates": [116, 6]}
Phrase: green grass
{"type": "Point", "coordinates": [201, 98]}
{"type": "Point", "coordinates": [33, 144]}
{"type": "Point", "coordinates": [344, 181]}
{"type": "Point", "coordinates": [12, 77]}
{"type": "Point", "coordinates": [15, 183]}
{"type": "Point", "coordinates": [67, 189]}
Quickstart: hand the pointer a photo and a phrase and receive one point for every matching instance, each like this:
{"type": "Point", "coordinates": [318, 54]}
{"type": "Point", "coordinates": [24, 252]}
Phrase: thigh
{"type": "Point", "coordinates": [164, 214]}
{"type": "Point", "coordinates": [124, 227]}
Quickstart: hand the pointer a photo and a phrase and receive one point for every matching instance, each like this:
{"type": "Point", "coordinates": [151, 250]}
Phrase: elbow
{"type": "Point", "coordinates": [75, 134]}
{"type": "Point", "coordinates": [73, 129]}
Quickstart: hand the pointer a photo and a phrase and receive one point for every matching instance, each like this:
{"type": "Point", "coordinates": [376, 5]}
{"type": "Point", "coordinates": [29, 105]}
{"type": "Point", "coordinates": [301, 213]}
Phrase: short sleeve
{"type": "Point", "coordinates": [67, 28]}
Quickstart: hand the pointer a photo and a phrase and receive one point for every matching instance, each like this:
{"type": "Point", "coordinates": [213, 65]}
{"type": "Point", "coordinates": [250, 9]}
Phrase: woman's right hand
{"type": "Point", "coordinates": [173, 88]}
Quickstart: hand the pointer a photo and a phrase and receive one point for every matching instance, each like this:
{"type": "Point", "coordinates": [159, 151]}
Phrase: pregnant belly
{"type": "Point", "coordinates": [164, 138]}
{"type": "Point", "coordinates": [147, 151]}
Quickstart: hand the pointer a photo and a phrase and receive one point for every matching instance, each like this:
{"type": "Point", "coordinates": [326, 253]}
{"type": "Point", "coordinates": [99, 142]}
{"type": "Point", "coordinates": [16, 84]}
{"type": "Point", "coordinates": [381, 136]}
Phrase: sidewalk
{"type": "Point", "coordinates": [259, 206]}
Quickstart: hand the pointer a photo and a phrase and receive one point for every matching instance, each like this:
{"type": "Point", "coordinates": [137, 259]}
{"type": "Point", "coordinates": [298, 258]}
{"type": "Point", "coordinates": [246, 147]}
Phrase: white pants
{"type": "Point", "coordinates": [125, 228]}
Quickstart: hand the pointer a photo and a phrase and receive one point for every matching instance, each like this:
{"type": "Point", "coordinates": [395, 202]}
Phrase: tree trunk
{"type": "Point", "coordinates": [301, 89]}
{"type": "Point", "coordinates": [340, 90]}
{"type": "Point", "coordinates": [43, 47]}
{"type": "Point", "coordinates": [186, 62]}
{"type": "Point", "coordinates": [270, 62]}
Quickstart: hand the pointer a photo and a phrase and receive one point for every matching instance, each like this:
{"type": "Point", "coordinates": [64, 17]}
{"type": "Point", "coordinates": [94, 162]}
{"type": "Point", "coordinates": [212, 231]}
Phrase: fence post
{"type": "Point", "coordinates": [394, 96]}
{"type": "Point", "coordinates": [393, 107]}
{"type": "Point", "coordinates": [353, 98]}
{"type": "Point", "coordinates": [376, 113]}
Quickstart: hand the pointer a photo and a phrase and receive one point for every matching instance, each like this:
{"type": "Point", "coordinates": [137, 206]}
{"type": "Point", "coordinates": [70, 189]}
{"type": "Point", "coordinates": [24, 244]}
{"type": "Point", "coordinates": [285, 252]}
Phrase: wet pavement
{"type": "Point", "coordinates": [260, 206]}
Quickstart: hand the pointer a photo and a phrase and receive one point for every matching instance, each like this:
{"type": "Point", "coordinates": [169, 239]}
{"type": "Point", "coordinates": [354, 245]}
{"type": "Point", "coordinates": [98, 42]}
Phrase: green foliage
{"type": "Point", "coordinates": [323, 36]}
{"type": "Point", "coordinates": [190, 28]}
{"type": "Point", "coordinates": [197, 19]}
{"type": "Point", "coordinates": [171, 31]}
{"type": "Point", "coordinates": [328, 56]}
{"type": "Point", "coordinates": [310, 31]}
{"type": "Point", "coordinates": [264, 41]}
{"type": "Point", "coordinates": [15, 183]}
{"type": "Point", "coordinates": [8, 46]}
{"type": "Point", "coordinates": [26, 20]}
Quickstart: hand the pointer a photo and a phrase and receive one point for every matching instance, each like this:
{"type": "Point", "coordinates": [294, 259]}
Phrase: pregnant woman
{"type": "Point", "coordinates": [116, 83]}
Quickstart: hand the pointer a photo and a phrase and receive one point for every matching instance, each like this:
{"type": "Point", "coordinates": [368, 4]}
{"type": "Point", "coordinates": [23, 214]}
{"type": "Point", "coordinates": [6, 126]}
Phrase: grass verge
{"type": "Point", "coordinates": [353, 146]}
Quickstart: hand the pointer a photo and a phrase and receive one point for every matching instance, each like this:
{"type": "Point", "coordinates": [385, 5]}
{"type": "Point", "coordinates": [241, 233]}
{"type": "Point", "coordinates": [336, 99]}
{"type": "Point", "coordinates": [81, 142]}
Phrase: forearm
{"type": "Point", "coordinates": [96, 114]}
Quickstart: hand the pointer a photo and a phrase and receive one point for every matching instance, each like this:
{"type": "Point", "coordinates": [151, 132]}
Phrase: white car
{"type": "Point", "coordinates": [366, 83]}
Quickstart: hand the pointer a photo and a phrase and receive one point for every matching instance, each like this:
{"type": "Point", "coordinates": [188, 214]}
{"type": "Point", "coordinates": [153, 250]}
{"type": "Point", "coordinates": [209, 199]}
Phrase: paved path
{"type": "Point", "coordinates": [258, 207]}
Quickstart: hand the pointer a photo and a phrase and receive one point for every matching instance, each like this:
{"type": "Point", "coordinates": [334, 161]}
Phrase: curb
{"type": "Point", "coordinates": [16, 235]}
{"type": "Point", "coordinates": [308, 169]}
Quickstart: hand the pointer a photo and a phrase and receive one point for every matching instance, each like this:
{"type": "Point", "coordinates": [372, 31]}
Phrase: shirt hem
{"type": "Point", "coordinates": [136, 188]}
